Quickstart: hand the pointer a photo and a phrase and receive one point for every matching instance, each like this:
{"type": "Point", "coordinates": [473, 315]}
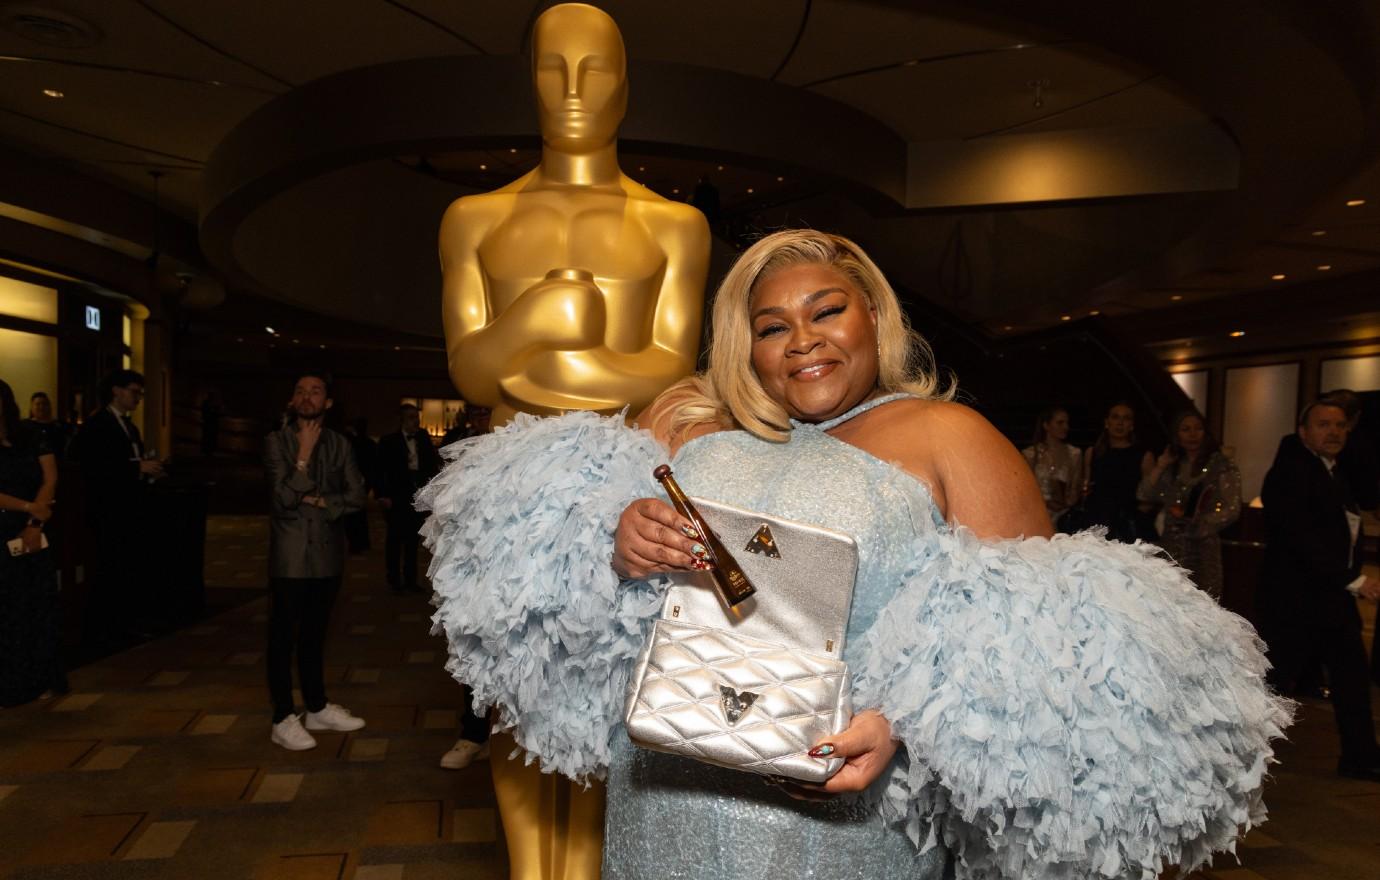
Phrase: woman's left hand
{"type": "Point", "coordinates": [867, 749]}
{"type": "Point", "coordinates": [32, 538]}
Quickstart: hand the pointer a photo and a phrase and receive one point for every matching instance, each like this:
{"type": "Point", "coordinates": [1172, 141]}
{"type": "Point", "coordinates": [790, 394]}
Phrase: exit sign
{"type": "Point", "coordinates": [93, 318]}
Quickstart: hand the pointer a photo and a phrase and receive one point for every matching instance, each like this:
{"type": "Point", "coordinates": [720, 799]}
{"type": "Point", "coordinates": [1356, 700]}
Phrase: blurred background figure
{"type": "Point", "coordinates": [366, 456]}
{"type": "Point", "coordinates": [1199, 489]}
{"type": "Point", "coordinates": [407, 461]}
{"type": "Point", "coordinates": [1311, 579]}
{"type": "Point", "coordinates": [29, 655]}
{"type": "Point", "coordinates": [1359, 460]}
{"type": "Point", "coordinates": [1112, 470]}
{"type": "Point", "coordinates": [1058, 466]}
{"type": "Point", "coordinates": [115, 474]}
{"type": "Point", "coordinates": [42, 418]}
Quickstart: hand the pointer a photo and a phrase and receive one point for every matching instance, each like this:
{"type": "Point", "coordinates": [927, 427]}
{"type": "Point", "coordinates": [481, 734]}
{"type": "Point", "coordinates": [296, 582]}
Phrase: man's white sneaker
{"type": "Point", "coordinates": [333, 717]}
{"type": "Point", "coordinates": [464, 753]}
{"type": "Point", "coordinates": [289, 734]}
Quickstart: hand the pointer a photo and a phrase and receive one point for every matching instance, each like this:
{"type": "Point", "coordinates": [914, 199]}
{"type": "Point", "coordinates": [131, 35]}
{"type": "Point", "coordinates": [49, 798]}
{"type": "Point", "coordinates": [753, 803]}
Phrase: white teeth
{"type": "Point", "coordinates": [811, 371]}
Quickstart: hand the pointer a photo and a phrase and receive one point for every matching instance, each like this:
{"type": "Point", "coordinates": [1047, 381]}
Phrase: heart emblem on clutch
{"type": "Point", "coordinates": [735, 704]}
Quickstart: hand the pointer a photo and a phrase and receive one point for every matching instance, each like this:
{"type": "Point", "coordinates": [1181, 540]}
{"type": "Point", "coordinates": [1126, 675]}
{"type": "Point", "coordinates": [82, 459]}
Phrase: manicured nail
{"type": "Point", "coordinates": [823, 750]}
{"type": "Point", "coordinates": [700, 565]}
{"type": "Point", "coordinates": [689, 532]}
{"type": "Point", "coordinates": [699, 551]}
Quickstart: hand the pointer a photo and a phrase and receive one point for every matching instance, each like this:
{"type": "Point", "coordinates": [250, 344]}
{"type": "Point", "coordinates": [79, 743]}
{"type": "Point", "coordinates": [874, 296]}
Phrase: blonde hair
{"type": "Point", "coordinates": [730, 394]}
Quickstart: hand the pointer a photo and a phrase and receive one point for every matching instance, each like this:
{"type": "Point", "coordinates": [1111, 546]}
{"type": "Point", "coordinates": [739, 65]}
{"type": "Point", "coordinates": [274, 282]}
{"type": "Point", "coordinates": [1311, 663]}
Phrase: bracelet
{"type": "Point", "coordinates": [35, 523]}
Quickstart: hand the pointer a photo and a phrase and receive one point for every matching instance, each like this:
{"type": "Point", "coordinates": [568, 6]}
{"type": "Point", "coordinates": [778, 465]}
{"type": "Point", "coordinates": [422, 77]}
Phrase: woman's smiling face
{"type": "Point", "coordinates": [814, 341]}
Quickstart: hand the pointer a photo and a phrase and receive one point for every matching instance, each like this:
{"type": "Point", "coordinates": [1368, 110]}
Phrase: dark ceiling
{"type": "Point", "coordinates": [1012, 163]}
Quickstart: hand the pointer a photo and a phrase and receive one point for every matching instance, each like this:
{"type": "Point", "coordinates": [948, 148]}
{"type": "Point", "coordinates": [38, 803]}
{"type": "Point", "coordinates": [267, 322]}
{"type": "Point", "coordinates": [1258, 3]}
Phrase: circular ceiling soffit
{"type": "Point", "coordinates": [49, 27]}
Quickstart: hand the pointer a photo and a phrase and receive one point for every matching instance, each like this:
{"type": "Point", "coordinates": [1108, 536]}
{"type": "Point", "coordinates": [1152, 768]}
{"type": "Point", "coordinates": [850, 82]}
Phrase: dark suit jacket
{"type": "Point", "coordinates": [307, 541]}
{"type": "Point", "coordinates": [110, 469]}
{"type": "Point", "coordinates": [1308, 562]}
{"type": "Point", "coordinates": [396, 482]}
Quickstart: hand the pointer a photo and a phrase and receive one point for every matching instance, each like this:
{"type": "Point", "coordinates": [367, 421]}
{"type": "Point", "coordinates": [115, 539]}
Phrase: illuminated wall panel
{"type": "Point", "coordinates": [28, 364]}
{"type": "Point", "coordinates": [1358, 374]}
{"type": "Point", "coordinates": [19, 299]}
{"type": "Point", "coordinates": [1261, 406]}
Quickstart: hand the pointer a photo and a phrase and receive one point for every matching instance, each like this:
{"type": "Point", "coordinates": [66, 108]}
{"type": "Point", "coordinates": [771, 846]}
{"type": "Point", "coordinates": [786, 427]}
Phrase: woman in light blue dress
{"type": "Point", "coordinates": [1028, 706]}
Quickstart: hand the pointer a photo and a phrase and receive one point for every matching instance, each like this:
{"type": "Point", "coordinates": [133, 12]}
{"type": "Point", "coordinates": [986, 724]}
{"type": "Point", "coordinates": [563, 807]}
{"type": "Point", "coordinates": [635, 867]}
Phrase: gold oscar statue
{"type": "Point", "coordinates": [571, 288]}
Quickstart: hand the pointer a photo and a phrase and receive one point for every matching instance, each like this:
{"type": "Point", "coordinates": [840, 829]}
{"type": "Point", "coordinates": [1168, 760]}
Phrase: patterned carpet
{"type": "Point", "coordinates": [158, 764]}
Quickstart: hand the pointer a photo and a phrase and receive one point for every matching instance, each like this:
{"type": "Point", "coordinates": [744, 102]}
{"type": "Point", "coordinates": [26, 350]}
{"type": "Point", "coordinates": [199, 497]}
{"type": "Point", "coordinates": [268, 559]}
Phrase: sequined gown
{"type": "Point", "coordinates": [1065, 708]}
{"type": "Point", "coordinates": [675, 818]}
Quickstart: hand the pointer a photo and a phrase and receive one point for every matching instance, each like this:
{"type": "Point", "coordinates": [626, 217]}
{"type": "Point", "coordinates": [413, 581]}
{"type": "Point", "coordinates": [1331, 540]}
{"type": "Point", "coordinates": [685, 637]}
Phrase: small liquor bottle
{"type": "Point", "coordinates": [733, 584]}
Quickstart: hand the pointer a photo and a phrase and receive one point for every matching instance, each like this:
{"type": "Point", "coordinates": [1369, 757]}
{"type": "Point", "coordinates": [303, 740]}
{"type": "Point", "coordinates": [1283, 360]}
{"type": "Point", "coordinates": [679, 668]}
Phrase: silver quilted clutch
{"type": "Point", "coordinates": [756, 687]}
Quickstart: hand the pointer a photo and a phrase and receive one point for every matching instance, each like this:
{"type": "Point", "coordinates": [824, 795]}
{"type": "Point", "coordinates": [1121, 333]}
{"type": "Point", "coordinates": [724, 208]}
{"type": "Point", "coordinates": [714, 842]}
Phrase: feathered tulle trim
{"type": "Point", "coordinates": [539, 626]}
{"type": "Point", "coordinates": [1071, 707]}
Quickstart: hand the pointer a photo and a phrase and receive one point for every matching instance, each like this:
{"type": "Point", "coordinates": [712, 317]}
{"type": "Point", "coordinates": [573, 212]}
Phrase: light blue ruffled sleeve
{"type": "Point", "coordinates": [521, 532]}
{"type": "Point", "coordinates": [1071, 707]}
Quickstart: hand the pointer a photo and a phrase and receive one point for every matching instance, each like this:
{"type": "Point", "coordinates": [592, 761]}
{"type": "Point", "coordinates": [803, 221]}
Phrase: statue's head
{"type": "Point", "coordinates": [580, 74]}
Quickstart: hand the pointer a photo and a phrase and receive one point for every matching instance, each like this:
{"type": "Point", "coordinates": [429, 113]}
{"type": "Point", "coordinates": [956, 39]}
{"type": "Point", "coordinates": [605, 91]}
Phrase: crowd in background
{"type": "Point", "coordinates": [1181, 497]}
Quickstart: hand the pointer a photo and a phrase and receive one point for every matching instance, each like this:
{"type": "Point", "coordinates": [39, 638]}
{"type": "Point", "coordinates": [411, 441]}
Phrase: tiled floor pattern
{"type": "Point", "coordinates": [158, 764]}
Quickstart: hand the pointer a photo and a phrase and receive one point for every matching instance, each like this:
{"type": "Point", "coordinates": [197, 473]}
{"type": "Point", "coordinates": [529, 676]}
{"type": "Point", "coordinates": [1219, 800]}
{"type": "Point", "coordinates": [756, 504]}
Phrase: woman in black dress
{"type": "Point", "coordinates": [28, 581]}
{"type": "Point", "coordinates": [1112, 470]}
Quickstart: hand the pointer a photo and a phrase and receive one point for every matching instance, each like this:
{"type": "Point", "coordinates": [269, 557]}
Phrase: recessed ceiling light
{"type": "Point", "coordinates": [483, 167]}
{"type": "Point", "coordinates": [1176, 297]}
{"type": "Point", "coordinates": [271, 330]}
{"type": "Point", "coordinates": [675, 192]}
{"type": "Point", "coordinates": [1320, 232]}
{"type": "Point", "coordinates": [721, 168]}
{"type": "Point", "coordinates": [397, 348]}
{"type": "Point", "coordinates": [642, 168]}
{"type": "Point", "coordinates": [52, 93]}
{"type": "Point", "coordinates": [1066, 317]}
{"type": "Point", "coordinates": [239, 339]}
{"type": "Point", "coordinates": [749, 190]}
{"type": "Point", "coordinates": [1237, 333]}
{"type": "Point", "coordinates": [1008, 327]}
{"type": "Point", "coordinates": [512, 149]}
{"type": "Point", "coordinates": [296, 342]}
{"type": "Point", "coordinates": [1325, 268]}
{"type": "Point", "coordinates": [780, 180]}
{"type": "Point", "coordinates": [1094, 312]}
{"type": "Point", "coordinates": [1355, 203]}
{"type": "Point", "coordinates": [1278, 276]}
{"type": "Point", "coordinates": [323, 345]}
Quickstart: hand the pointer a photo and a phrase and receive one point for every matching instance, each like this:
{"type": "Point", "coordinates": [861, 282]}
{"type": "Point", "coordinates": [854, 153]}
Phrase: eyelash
{"type": "Point", "coordinates": [827, 312]}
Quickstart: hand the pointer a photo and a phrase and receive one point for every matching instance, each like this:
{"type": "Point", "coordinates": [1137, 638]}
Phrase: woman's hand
{"type": "Point", "coordinates": [1166, 459]}
{"type": "Point", "coordinates": [867, 749]}
{"type": "Point", "coordinates": [32, 538]}
{"type": "Point", "coordinates": [653, 537]}
{"type": "Point", "coordinates": [41, 510]}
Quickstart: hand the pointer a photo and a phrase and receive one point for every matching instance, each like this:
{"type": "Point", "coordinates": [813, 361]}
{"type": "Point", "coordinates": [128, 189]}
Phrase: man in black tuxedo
{"type": "Point", "coordinates": [1312, 577]}
{"type": "Point", "coordinates": [407, 461]}
{"type": "Point", "coordinates": [115, 475]}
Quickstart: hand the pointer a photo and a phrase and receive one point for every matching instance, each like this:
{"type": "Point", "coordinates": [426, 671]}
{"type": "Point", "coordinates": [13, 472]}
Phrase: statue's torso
{"type": "Point", "coordinates": [604, 233]}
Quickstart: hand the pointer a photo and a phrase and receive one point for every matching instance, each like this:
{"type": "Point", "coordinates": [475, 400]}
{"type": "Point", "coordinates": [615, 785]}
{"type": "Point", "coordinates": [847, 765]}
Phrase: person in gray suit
{"type": "Point", "coordinates": [315, 483]}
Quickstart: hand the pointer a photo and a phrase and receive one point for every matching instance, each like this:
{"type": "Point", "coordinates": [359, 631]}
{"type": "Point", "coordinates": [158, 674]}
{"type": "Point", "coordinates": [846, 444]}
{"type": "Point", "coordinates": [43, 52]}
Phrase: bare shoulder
{"type": "Point", "coordinates": [657, 419]}
{"type": "Point", "coordinates": [914, 429]}
{"type": "Point", "coordinates": [977, 477]}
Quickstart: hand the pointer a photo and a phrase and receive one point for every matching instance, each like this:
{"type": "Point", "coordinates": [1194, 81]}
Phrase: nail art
{"type": "Point", "coordinates": [689, 532]}
{"type": "Point", "coordinates": [699, 551]}
{"type": "Point", "coordinates": [700, 565]}
{"type": "Point", "coordinates": [823, 750]}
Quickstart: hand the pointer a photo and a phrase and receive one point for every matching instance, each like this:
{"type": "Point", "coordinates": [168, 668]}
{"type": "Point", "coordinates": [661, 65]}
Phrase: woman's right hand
{"type": "Point", "coordinates": [653, 537]}
{"type": "Point", "coordinates": [41, 510]}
